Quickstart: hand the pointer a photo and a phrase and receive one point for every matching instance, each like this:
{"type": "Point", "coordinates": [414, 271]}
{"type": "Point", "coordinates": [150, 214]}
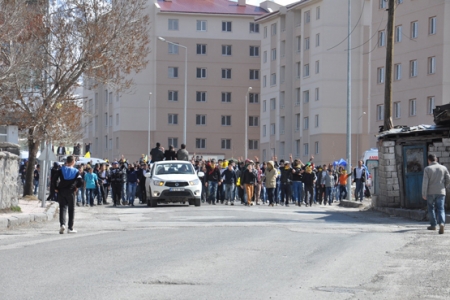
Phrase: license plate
{"type": "Point", "coordinates": [176, 189]}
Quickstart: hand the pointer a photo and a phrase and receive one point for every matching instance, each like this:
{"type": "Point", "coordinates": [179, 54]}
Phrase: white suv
{"type": "Point", "coordinates": [173, 181]}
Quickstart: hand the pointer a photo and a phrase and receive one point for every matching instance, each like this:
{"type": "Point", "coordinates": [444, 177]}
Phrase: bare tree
{"type": "Point", "coordinates": [62, 41]}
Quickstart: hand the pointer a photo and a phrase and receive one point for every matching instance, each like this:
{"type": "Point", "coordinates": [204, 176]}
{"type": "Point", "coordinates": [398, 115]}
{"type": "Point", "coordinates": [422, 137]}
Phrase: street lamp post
{"type": "Point", "coordinates": [357, 136]}
{"type": "Point", "coordinates": [246, 123]}
{"type": "Point", "coordinates": [149, 103]}
{"type": "Point", "coordinates": [185, 84]}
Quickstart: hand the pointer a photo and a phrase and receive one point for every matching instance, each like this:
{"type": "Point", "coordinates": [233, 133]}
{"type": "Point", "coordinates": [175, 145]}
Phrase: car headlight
{"type": "Point", "coordinates": [194, 182]}
{"type": "Point", "coordinates": [158, 183]}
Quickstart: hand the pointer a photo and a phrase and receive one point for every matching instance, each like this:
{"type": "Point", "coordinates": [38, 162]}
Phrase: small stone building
{"type": "Point", "coordinates": [9, 175]}
{"type": "Point", "coordinates": [402, 156]}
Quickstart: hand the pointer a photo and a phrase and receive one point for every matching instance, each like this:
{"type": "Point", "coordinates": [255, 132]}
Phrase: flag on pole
{"type": "Point", "coordinates": [87, 155]}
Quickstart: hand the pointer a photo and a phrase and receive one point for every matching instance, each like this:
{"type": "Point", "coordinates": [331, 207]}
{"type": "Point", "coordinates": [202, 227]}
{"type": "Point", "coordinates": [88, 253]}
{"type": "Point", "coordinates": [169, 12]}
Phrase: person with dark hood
{"type": "Point", "coordinates": [309, 178]}
{"type": "Point", "coordinates": [116, 180]}
{"type": "Point", "coordinates": [213, 180]}
{"type": "Point", "coordinates": [53, 171]}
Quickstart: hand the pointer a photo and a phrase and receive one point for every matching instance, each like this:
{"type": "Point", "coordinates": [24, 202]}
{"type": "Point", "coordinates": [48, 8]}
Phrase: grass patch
{"type": "Point", "coordinates": [16, 209]}
{"type": "Point", "coordinates": [12, 209]}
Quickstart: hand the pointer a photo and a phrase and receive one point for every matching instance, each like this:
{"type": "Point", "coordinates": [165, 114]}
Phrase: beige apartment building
{"type": "Point", "coordinates": [304, 80]}
{"type": "Point", "coordinates": [421, 52]}
{"type": "Point", "coordinates": [223, 61]}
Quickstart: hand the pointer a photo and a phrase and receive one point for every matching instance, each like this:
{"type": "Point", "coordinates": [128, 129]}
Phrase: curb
{"type": "Point", "coordinates": [349, 203]}
{"type": "Point", "coordinates": [414, 214]}
{"type": "Point", "coordinates": [18, 220]}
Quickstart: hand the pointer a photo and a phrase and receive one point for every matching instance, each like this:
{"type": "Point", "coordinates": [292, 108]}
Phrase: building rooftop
{"type": "Point", "coordinates": [209, 7]}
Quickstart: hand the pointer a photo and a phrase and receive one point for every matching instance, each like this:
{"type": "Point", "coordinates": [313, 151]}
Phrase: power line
{"type": "Point", "coordinates": [376, 32]}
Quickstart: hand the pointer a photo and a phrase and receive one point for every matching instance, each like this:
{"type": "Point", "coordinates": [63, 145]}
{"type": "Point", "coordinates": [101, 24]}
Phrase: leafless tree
{"type": "Point", "coordinates": [60, 42]}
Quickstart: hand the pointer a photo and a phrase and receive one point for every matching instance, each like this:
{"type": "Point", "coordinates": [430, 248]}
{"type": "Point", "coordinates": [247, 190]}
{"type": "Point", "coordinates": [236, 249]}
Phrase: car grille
{"type": "Point", "coordinates": [174, 184]}
{"type": "Point", "coordinates": [176, 194]}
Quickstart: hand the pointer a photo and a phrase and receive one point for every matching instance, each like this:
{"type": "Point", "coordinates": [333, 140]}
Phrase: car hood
{"type": "Point", "coordinates": [175, 177]}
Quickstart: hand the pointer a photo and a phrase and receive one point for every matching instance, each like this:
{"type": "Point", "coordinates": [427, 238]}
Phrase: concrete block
{"type": "Point", "coordinates": [393, 205]}
{"type": "Point", "coordinates": [393, 194]}
{"type": "Point", "coordinates": [431, 148]}
{"type": "Point", "coordinates": [13, 222]}
{"type": "Point", "coordinates": [24, 219]}
{"type": "Point", "coordinates": [438, 144]}
{"type": "Point", "coordinates": [437, 153]}
{"type": "Point", "coordinates": [388, 174]}
{"type": "Point", "coordinates": [441, 148]}
{"type": "Point", "coordinates": [388, 143]}
{"type": "Point", "coordinates": [388, 156]}
{"type": "Point", "coordinates": [390, 169]}
{"type": "Point", "coordinates": [40, 217]}
{"type": "Point", "coordinates": [391, 150]}
{"type": "Point", "coordinates": [446, 141]}
{"type": "Point", "coordinates": [404, 213]}
{"type": "Point", "coordinates": [445, 153]}
{"type": "Point", "coordinates": [444, 159]}
{"type": "Point", "coordinates": [3, 223]}
{"type": "Point", "coordinates": [418, 215]}
{"type": "Point", "coordinates": [394, 175]}
{"type": "Point", "coordinates": [395, 187]}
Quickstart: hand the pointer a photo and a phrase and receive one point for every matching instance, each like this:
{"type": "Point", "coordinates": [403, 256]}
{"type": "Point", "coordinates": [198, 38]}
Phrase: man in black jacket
{"type": "Point", "coordinates": [69, 181]}
{"type": "Point", "coordinates": [213, 180]}
{"type": "Point", "coordinates": [116, 179]}
{"type": "Point", "coordinates": [157, 153]}
{"type": "Point", "coordinates": [285, 182]}
{"type": "Point", "coordinates": [141, 180]}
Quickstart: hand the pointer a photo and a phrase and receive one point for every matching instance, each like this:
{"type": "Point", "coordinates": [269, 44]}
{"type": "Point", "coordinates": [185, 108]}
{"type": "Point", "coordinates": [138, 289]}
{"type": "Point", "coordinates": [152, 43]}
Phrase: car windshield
{"type": "Point", "coordinates": [174, 168]}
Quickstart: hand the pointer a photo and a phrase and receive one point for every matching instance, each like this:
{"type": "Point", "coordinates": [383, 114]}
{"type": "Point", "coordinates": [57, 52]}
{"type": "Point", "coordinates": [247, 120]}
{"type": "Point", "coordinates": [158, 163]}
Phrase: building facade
{"type": "Point", "coordinates": [222, 42]}
{"type": "Point", "coordinates": [304, 80]}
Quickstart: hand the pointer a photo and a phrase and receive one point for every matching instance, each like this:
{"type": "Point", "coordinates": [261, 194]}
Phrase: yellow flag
{"type": "Point", "coordinates": [87, 155]}
{"type": "Point", "coordinates": [146, 159]}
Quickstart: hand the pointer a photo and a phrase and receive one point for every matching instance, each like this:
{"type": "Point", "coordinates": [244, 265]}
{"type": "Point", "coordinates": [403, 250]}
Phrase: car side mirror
{"type": "Point", "coordinates": [200, 174]}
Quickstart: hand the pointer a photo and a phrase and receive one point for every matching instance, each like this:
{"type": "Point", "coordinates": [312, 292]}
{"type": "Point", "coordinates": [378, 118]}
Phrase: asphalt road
{"type": "Point", "coordinates": [224, 252]}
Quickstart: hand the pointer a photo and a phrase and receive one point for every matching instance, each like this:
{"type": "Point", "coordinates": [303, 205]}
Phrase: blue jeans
{"type": "Point", "coordinates": [342, 189]}
{"type": "Point", "coordinates": [81, 195]}
{"type": "Point", "coordinates": [131, 192]}
{"type": "Point", "coordinates": [212, 188]}
{"type": "Point", "coordinates": [229, 192]}
{"type": "Point", "coordinates": [436, 202]}
{"type": "Point", "coordinates": [36, 186]}
{"type": "Point", "coordinates": [297, 188]}
{"type": "Point", "coordinates": [90, 195]}
{"type": "Point", "coordinates": [329, 195]}
{"type": "Point", "coordinates": [359, 189]}
{"type": "Point", "coordinates": [263, 194]}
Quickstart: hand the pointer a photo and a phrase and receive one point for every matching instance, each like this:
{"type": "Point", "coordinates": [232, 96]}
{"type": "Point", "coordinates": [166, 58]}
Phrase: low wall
{"type": "Point", "coordinates": [9, 183]}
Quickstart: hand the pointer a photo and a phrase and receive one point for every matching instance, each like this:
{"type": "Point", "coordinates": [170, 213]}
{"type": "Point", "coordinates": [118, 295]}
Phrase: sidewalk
{"type": "Point", "coordinates": [31, 211]}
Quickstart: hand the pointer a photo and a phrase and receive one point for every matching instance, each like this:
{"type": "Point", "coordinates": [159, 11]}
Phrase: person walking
{"type": "Point", "coordinates": [270, 180]}
{"type": "Point", "coordinates": [436, 179]}
{"type": "Point", "coordinates": [36, 175]}
{"type": "Point", "coordinates": [213, 180]}
{"type": "Point", "coordinates": [309, 178]}
{"type": "Point", "coordinates": [132, 179]}
{"type": "Point", "coordinates": [229, 181]}
{"type": "Point", "coordinates": [69, 181]}
{"type": "Point", "coordinates": [141, 182]}
{"type": "Point", "coordinates": [297, 184]}
{"type": "Point", "coordinates": [285, 181]}
{"type": "Point", "coordinates": [248, 182]}
{"type": "Point", "coordinates": [330, 182]}
{"type": "Point", "coordinates": [90, 185]}
{"type": "Point", "coordinates": [116, 179]}
{"type": "Point", "coordinates": [359, 177]}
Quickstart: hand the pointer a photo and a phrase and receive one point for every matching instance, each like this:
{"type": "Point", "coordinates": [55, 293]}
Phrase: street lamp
{"type": "Point", "coordinates": [357, 136]}
{"type": "Point", "coordinates": [149, 102]}
{"type": "Point", "coordinates": [246, 122]}
{"type": "Point", "coordinates": [185, 83]}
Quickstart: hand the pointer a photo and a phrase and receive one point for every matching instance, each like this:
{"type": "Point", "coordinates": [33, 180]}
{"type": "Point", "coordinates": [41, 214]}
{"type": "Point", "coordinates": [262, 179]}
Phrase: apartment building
{"type": "Point", "coordinates": [422, 51]}
{"type": "Point", "coordinates": [304, 79]}
{"type": "Point", "coordinates": [222, 42]}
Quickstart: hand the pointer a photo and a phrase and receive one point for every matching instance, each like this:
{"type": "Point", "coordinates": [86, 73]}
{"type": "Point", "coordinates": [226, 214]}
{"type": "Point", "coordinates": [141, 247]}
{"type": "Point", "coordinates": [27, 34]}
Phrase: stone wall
{"type": "Point", "coordinates": [9, 183]}
{"type": "Point", "coordinates": [388, 179]}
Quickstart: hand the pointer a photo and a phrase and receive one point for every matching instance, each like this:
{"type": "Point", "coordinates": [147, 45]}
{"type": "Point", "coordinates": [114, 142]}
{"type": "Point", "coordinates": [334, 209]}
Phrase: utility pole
{"type": "Point", "coordinates": [349, 99]}
{"type": "Point", "coordinates": [389, 57]}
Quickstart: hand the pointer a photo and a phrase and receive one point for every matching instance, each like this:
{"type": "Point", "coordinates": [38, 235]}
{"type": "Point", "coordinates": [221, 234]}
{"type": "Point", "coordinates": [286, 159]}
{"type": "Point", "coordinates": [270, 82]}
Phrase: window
{"type": "Point", "coordinates": [282, 96]}
{"type": "Point", "coordinates": [200, 143]}
{"type": "Point", "coordinates": [265, 57]}
{"type": "Point", "coordinates": [431, 65]}
{"type": "Point", "coordinates": [413, 68]}
{"type": "Point", "coordinates": [226, 120]}
{"type": "Point", "coordinates": [226, 73]}
{"type": "Point", "coordinates": [201, 96]}
{"type": "Point", "coordinates": [253, 144]}
{"type": "Point", "coordinates": [253, 121]}
{"type": "Point", "coordinates": [283, 48]}
{"type": "Point", "coordinates": [282, 73]}
{"type": "Point", "coordinates": [106, 97]}
{"type": "Point", "coordinates": [298, 69]}
{"type": "Point", "coordinates": [283, 23]}
{"type": "Point", "coordinates": [414, 29]}
{"type": "Point", "coordinates": [317, 67]}
{"type": "Point", "coordinates": [412, 107]}
{"type": "Point", "coordinates": [172, 141]}
{"type": "Point", "coordinates": [316, 147]}
{"type": "Point", "coordinates": [306, 96]}
{"type": "Point", "coordinates": [380, 112]}
{"type": "Point", "coordinates": [173, 49]}
{"type": "Point", "coordinates": [117, 142]}
{"type": "Point", "coordinates": [226, 26]}
{"type": "Point", "coordinates": [253, 98]}
{"type": "Point", "coordinates": [264, 105]}
{"type": "Point", "coordinates": [297, 148]}
{"type": "Point", "coordinates": [226, 143]}
{"type": "Point", "coordinates": [264, 81]}
{"type": "Point", "coordinates": [398, 33]}
{"type": "Point", "coordinates": [306, 123]}
{"type": "Point", "coordinates": [273, 104]}
{"type": "Point", "coordinates": [273, 79]}
{"type": "Point", "coordinates": [282, 148]}
{"type": "Point", "coordinates": [117, 119]}
{"type": "Point", "coordinates": [382, 4]}
{"type": "Point", "coordinates": [307, 43]}
{"type": "Point", "coordinates": [264, 155]}
{"type": "Point", "coordinates": [316, 120]}
{"type": "Point", "coordinates": [297, 96]}
{"type": "Point", "coordinates": [397, 71]}
{"type": "Point", "coordinates": [264, 130]}
{"type": "Point", "coordinates": [298, 43]}
{"type": "Point", "coordinates": [173, 72]}
{"type": "Point", "coordinates": [307, 17]}
{"type": "Point", "coordinates": [173, 95]}
{"type": "Point", "coordinates": [110, 120]}
{"type": "Point", "coordinates": [380, 75]}
{"type": "Point", "coordinates": [226, 97]}
{"type": "Point", "coordinates": [201, 73]}
{"type": "Point", "coordinates": [201, 49]}
{"type": "Point", "coordinates": [272, 129]}
{"type": "Point", "coordinates": [432, 25]}
{"type": "Point", "coordinates": [226, 50]}
{"type": "Point", "coordinates": [317, 12]}
{"type": "Point", "coordinates": [273, 29]}
{"type": "Point", "coordinates": [106, 142]}
{"type": "Point", "coordinates": [306, 70]}
{"type": "Point", "coordinates": [173, 119]}
{"type": "Point", "coordinates": [201, 26]}
{"type": "Point", "coordinates": [173, 24]}
{"type": "Point", "coordinates": [397, 110]}
{"type": "Point", "coordinates": [273, 54]}
{"type": "Point", "coordinates": [110, 144]}
{"type": "Point", "coordinates": [110, 97]}
{"type": "Point", "coordinates": [317, 39]}
{"type": "Point", "coordinates": [265, 31]}
{"type": "Point", "coordinates": [297, 122]}
{"type": "Point", "coordinates": [430, 105]}
{"type": "Point", "coordinates": [381, 38]}
{"type": "Point", "coordinates": [254, 27]}
{"type": "Point", "coordinates": [305, 149]}
{"type": "Point", "coordinates": [254, 51]}
{"type": "Point", "coordinates": [254, 74]}
{"type": "Point", "coordinates": [200, 120]}
{"type": "Point", "coordinates": [316, 94]}
{"type": "Point", "coordinates": [106, 119]}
